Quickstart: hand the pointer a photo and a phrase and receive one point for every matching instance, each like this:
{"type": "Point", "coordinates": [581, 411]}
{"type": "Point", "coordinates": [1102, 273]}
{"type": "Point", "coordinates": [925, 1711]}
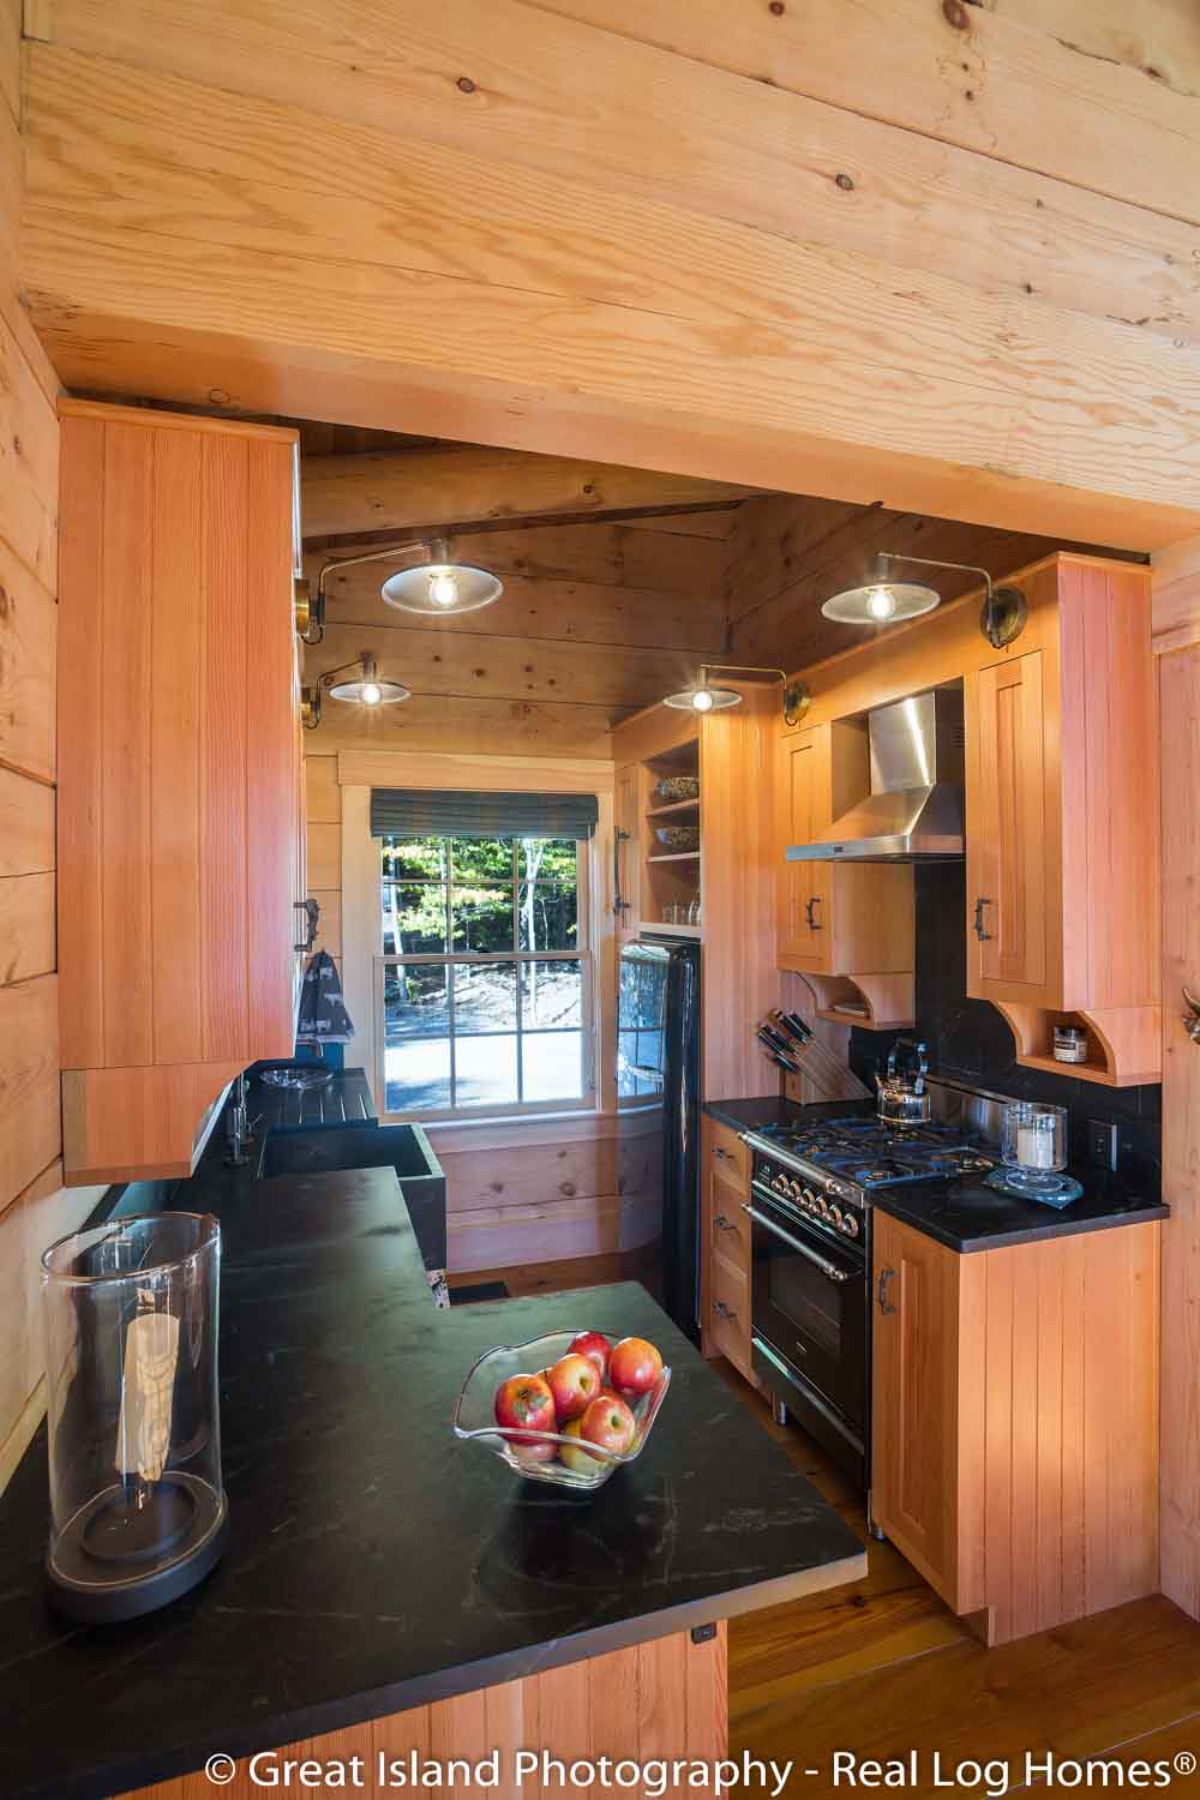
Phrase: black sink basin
{"type": "Point", "coordinates": [404, 1148]}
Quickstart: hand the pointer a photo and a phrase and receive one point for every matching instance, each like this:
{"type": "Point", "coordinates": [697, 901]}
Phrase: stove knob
{"type": "Point", "coordinates": [780, 1184]}
{"type": "Point", "coordinates": [823, 1206]}
{"type": "Point", "coordinates": [850, 1224]}
{"type": "Point", "coordinates": [835, 1213]}
{"type": "Point", "coordinates": [808, 1199]}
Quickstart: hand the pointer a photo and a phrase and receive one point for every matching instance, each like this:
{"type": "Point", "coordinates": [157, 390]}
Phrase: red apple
{"type": "Point", "coordinates": [634, 1367]}
{"type": "Point", "coordinates": [610, 1425]}
{"type": "Point", "coordinates": [526, 1400]}
{"type": "Point", "coordinates": [574, 1381]}
{"type": "Point", "coordinates": [573, 1455]}
{"type": "Point", "coordinates": [595, 1345]}
{"type": "Point", "coordinates": [533, 1453]}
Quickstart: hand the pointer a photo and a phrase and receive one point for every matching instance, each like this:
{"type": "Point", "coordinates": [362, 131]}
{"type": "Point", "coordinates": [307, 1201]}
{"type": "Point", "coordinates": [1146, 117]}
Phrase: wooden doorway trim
{"type": "Point", "coordinates": [1176, 588]}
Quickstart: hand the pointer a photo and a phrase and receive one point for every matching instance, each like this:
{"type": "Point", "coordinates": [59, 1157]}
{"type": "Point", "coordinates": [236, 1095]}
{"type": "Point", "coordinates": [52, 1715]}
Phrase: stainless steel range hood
{"type": "Point", "coordinates": [914, 811]}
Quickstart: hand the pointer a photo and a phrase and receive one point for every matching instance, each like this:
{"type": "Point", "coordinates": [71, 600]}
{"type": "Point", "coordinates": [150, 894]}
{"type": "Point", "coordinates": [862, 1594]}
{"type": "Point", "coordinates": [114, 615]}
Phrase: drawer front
{"type": "Point", "coordinates": [729, 1228]}
{"type": "Point", "coordinates": [726, 1152]}
{"type": "Point", "coordinates": [729, 1315]}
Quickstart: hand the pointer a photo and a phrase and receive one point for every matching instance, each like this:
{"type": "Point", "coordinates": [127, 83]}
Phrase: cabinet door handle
{"type": "Point", "coordinates": [312, 917]}
{"type": "Point", "coordinates": [886, 1278]}
{"type": "Point", "coordinates": [721, 1155]}
{"type": "Point", "coordinates": [985, 937]}
{"type": "Point", "coordinates": [722, 1311]}
{"type": "Point", "coordinates": [810, 905]}
{"type": "Point", "coordinates": [620, 904]}
{"type": "Point", "coordinates": [724, 1224]}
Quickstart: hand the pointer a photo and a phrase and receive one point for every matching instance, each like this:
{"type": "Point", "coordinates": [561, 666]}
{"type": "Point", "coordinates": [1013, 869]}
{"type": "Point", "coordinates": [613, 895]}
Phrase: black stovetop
{"type": "Point", "coordinates": [876, 1155]}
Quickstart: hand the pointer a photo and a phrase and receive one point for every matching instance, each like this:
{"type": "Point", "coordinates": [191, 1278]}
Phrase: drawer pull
{"type": "Point", "coordinates": [722, 1311]}
{"type": "Point", "coordinates": [721, 1155]}
{"type": "Point", "coordinates": [724, 1224]}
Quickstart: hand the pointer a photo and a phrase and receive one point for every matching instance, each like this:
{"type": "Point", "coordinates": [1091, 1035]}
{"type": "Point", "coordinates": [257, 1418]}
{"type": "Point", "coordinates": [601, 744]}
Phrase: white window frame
{"type": "Point", "coordinates": [582, 953]}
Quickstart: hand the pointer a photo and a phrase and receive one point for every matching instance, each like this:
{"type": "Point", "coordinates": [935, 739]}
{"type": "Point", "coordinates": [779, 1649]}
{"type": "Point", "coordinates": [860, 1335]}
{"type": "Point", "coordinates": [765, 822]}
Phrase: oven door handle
{"type": "Point", "coordinates": [793, 1243]}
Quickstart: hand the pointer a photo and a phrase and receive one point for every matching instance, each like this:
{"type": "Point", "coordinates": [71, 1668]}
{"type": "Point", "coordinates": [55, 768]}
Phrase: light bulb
{"type": "Point", "coordinates": [443, 588]}
{"type": "Point", "coordinates": [702, 700]}
{"type": "Point", "coordinates": [881, 603]}
{"type": "Point", "coordinates": [370, 693]}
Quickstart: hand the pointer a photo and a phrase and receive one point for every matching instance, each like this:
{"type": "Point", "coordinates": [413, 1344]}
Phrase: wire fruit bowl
{"type": "Point", "coordinates": [475, 1421]}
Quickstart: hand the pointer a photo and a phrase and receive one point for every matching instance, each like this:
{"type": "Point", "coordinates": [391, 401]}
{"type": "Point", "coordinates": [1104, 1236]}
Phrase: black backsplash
{"type": "Point", "coordinates": [970, 1041]}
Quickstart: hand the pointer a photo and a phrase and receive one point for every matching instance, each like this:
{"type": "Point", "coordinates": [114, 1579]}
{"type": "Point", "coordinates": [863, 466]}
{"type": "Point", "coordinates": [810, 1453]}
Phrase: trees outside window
{"type": "Point", "coordinates": [485, 975]}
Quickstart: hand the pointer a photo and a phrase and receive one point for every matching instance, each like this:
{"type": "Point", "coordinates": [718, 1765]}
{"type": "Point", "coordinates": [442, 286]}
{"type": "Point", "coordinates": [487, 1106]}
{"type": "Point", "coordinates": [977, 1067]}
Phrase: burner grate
{"type": "Point", "coordinates": [873, 1154]}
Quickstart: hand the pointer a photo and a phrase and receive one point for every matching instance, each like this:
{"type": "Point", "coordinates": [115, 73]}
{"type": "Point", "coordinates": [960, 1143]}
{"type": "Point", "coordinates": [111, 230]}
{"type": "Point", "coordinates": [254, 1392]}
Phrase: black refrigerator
{"type": "Point", "coordinates": [658, 1101]}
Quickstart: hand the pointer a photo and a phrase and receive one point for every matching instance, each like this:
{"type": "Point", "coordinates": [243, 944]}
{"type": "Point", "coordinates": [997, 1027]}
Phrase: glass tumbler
{"type": "Point", "coordinates": [1034, 1145]}
{"type": "Point", "coordinates": [137, 1508]}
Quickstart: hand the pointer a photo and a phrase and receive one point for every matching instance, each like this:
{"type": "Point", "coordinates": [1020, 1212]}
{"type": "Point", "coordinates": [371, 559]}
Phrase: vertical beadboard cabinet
{"type": "Point", "coordinates": [180, 821]}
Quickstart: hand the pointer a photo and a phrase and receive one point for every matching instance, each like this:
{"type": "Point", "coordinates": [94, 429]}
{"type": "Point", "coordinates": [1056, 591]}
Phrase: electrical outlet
{"type": "Point", "coordinates": [1102, 1143]}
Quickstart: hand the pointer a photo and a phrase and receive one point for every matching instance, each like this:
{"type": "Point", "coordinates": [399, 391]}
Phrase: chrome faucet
{"type": "Point", "coordinates": [238, 1129]}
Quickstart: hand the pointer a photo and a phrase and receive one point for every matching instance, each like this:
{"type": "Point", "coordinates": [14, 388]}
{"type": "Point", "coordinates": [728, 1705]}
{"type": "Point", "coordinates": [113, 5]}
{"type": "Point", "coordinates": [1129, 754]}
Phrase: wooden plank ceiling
{"type": "Point", "coordinates": [941, 257]}
{"type": "Point", "coordinates": [608, 603]}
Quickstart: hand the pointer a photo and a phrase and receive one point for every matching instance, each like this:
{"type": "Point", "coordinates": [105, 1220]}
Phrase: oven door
{"type": "Point", "coordinates": [809, 1311]}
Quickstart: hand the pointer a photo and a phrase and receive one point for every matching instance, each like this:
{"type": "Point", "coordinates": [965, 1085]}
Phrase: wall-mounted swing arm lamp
{"type": "Point", "coordinates": [882, 601]}
{"type": "Point", "coordinates": [706, 698]}
{"type": "Point", "coordinates": [438, 586]}
{"type": "Point", "coordinates": [365, 687]}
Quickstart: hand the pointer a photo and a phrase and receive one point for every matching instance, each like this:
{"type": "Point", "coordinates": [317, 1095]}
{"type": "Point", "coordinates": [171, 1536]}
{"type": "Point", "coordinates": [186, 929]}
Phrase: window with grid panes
{"type": "Point", "coordinates": [485, 983]}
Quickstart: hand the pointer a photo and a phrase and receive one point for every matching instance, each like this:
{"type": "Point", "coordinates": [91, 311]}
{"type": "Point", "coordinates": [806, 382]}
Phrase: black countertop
{"type": "Point", "coordinates": [964, 1215]}
{"type": "Point", "coordinates": [375, 1562]}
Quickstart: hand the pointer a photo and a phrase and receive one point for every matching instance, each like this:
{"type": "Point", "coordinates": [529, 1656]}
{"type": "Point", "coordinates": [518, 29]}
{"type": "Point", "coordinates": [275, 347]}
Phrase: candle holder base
{"type": "Point", "coordinates": [1034, 1184]}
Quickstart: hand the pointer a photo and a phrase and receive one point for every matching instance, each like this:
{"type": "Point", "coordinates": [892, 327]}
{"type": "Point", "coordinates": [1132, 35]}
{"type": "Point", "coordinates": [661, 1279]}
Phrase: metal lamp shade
{"type": "Point", "coordinates": [354, 690]}
{"type": "Point", "coordinates": [416, 590]}
{"type": "Point", "coordinates": [867, 605]}
{"type": "Point", "coordinates": [719, 697]}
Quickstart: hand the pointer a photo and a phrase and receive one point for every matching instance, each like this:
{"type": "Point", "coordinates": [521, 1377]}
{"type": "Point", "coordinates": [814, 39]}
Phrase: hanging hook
{"type": "Point", "coordinates": [1191, 1018]}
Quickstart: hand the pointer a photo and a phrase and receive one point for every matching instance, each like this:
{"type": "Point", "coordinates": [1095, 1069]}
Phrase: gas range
{"type": "Point", "coordinates": [830, 1168]}
{"type": "Point", "coordinates": [810, 1252]}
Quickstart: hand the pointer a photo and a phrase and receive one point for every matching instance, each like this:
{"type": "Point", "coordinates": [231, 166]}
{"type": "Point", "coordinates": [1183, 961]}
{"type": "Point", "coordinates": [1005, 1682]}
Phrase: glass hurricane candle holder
{"type": "Point", "coordinates": [137, 1508]}
{"type": "Point", "coordinates": [1033, 1145]}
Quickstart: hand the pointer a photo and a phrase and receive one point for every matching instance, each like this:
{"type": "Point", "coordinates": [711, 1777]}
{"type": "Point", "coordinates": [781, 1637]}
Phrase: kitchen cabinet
{"type": "Point", "coordinates": [181, 793]}
{"type": "Point", "coordinates": [915, 1399]}
{"type": "Point", "coordinates": [725, 1246]}
{"type": "Point", "coordinates": [1014, 1420]}
{"type": "Point", "coordinates": [848, 928]}
{"type": "Point", "coordinates": [1062, 822]}
{"type": "Point", "coordinates": [719, 891]}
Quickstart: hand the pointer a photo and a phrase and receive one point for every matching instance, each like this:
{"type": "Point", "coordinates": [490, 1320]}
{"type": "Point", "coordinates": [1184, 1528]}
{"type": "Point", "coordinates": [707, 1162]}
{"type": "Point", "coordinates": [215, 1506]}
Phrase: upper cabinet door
{"type": "Point", "coordinates": [805, 925]}
{"type": "Point", "coordinates": [1009, 934]}
{"type": "Point", "coordinates": [180, 829]}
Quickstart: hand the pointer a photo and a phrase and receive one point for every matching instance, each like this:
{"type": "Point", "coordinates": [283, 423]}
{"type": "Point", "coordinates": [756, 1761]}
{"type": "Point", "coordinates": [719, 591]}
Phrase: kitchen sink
{"type": "Point", "coordinates": [404, 1148]}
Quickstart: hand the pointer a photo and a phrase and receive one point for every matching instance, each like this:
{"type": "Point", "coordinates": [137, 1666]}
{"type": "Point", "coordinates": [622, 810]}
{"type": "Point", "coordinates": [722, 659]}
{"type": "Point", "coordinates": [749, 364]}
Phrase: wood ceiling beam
{"type": "Point", "coordinates": [344, 496]}
{"type": "Point", "coordinates": [1119, 85]}
{"type": "Point", "coordinates": [793, 121]}
{"type": "Point", "coordinates": [185, 241]}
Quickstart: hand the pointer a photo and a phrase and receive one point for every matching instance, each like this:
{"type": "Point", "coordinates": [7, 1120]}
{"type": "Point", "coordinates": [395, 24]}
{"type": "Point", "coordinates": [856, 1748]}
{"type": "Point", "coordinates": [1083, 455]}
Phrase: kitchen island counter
{"type": "Point", "coordinates": [376, 1564]}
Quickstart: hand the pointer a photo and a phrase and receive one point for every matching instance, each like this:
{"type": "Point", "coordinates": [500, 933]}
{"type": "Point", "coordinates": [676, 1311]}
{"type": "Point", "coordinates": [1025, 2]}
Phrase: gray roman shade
{"type": "Point", "coordinates": [432, 812]}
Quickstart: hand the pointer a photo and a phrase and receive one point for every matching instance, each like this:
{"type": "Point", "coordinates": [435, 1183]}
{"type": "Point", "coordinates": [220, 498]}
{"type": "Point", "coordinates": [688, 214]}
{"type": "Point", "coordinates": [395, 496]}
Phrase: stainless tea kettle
{"type": "Point", "coordinates": [902, 1097]}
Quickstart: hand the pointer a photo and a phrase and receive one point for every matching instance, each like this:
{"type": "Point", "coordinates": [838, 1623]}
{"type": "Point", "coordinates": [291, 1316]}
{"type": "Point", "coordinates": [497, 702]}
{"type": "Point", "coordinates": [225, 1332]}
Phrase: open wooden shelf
{"type": "Point", "coordinates": [879, 1002]}
{"type": "Point", "coordinates": [675, 856]}
{"type": "Point", "coordinates": [680, 931]}
{"type": "Point", "coordinates": [674, 809]}
{"type": "Point", "coordinates": [1125, 1043]}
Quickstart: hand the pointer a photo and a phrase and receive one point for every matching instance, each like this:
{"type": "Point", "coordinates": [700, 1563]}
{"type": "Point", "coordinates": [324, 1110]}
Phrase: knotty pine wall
{"type": "Point", "coordinates": [34, 1207]}
{"type": "Point", "coordinates": [788, 553]}
{"type": "Point", "coordinates": [596, 620]}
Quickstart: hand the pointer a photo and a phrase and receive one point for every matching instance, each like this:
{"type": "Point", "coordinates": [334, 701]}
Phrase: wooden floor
{"type": "Point", "coordinates": [882, 1667]}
